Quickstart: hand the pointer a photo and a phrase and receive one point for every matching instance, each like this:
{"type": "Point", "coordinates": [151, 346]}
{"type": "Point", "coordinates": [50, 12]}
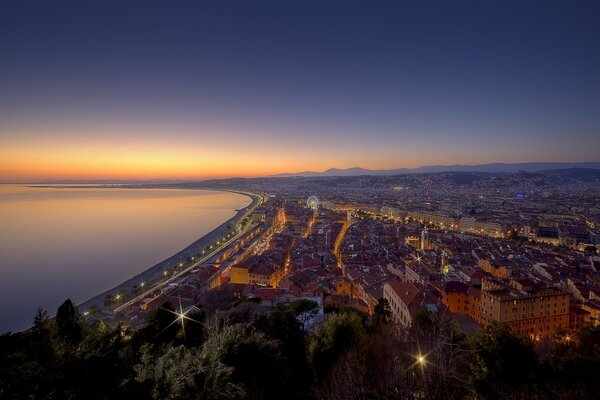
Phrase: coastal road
{"type": "Point", "coordinates": [182, 273]}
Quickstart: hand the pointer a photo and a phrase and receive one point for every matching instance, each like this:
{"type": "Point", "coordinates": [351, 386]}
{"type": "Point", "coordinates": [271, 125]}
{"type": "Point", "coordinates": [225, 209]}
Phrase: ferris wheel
{"type": "Point", "coordinates": [312, 202]}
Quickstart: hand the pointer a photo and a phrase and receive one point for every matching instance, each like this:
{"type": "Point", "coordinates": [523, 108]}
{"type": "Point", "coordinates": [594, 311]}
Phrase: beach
{"type": "Point", "coordinates": [156, 271]}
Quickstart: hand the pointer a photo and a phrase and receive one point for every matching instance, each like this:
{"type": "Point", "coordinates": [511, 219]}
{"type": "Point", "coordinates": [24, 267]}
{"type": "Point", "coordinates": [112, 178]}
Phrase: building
{"type": "Point", "coordinates": [578, 317]}
{"type": "Point", "coordinates": [256, 274]}
{"type": "Point", "coordinates": [416, 273]}
{"type": "Point", "coordinates": [392, 212]}
{"type": "Point", "coordinates": [239, 274]}
{"type": "Point", "coordinates": [425, 241]}
{"type": "Point", "coordinates": [593, 308]}
{"type": "Point", "coordinates": [489, 228]}
{"type": "Point", "coordinates": [426, 217]}
{"type": "Point", "coordinates": [461, 298]}
{"type": "Point", "coordinates": [400, 296]}
{"type": "Point", "coordinates": [412, 241]}
{"type": "Point", "coordinates": [494, 268]}
{"type": "Point", "coordinates": [527, 310]}
{"type": "Point", "coordinates": [455, 297]}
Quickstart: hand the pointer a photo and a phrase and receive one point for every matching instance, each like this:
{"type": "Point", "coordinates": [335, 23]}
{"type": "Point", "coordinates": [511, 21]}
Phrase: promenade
{"type": "Point", "coordinates": [156, 271]}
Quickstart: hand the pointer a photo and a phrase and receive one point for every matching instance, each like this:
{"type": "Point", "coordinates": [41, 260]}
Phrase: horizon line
{"type": "Point", "coordinates": [109, 180]}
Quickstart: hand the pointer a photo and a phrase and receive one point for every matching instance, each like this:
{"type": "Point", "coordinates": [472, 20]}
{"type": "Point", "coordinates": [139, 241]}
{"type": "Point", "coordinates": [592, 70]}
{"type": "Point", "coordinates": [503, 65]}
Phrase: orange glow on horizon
{"type": "Point", "coordinates": [26, 155]}
{"type": "Point", "coordinates": [37, 151]}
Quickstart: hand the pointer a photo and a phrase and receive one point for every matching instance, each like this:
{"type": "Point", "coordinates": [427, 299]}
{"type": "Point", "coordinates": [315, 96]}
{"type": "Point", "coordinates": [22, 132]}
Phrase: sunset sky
{"type": "Point", "coordinates": [135, 90]}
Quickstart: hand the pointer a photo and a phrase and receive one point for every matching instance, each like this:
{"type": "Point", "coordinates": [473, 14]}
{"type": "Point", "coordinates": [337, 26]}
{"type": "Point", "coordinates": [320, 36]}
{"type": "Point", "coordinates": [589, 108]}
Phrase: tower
{"type": "Point", "coordinates": [444, 263]}
{"type": "Point", "coordinates": [425, 243]}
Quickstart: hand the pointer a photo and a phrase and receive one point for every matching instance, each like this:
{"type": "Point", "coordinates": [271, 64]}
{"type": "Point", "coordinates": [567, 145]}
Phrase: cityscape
{"type": "Point", "coordinates": [472, 244]}
{"type": "Point", "coordinates": [267, 200]}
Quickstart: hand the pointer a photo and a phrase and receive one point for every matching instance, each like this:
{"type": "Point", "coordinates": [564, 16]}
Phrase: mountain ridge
{"type": "Point", "coordinates": [489, 167]}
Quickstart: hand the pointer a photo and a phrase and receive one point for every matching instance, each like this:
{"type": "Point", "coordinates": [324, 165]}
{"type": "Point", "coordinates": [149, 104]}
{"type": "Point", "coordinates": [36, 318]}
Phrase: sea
{"type": "Point", "coordinates": [59, 242]}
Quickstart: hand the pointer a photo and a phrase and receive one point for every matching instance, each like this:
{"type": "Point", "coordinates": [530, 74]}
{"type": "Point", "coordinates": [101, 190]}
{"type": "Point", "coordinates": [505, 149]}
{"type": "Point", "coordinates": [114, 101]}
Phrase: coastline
{"type": "Point", "coordinates": [192, 249]}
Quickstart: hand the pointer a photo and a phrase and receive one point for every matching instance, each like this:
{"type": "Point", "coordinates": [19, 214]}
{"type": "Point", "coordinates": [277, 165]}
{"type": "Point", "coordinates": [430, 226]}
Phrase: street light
{"type": "Point", "coordinates": [180, 316]}
{"type": "Point", "coordinates": [420, 360]}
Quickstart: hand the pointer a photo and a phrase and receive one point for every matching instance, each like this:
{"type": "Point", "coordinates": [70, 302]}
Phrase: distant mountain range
{"type": "Point", "coordinates": [490, 168]}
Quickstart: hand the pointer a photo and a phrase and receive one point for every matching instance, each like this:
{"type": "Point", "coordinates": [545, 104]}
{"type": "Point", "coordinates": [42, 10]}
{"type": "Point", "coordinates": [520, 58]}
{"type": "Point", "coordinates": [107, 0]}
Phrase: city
{"type": "Point", "coordinates": [299, 200]}
{"type": "Point", "coordinates": [518, 249]}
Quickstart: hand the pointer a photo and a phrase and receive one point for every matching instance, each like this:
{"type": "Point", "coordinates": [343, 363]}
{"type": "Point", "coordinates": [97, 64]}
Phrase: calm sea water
{"type": "Point", "coordinates": [58, 243]}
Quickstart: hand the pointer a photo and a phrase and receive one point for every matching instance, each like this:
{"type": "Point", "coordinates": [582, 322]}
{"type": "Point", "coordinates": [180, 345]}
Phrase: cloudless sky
{"type": "Point", "coordinates": [204, 89]}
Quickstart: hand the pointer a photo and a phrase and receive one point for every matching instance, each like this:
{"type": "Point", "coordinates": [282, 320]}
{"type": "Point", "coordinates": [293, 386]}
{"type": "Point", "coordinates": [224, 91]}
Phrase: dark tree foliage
{"type": "Point", "coordinates": [382, 314]}
{"type": "Point", "coordinates": [244, 299]}
{"type": "Point", "coordinates": [162, 326]}
{"type": "Point", "coordinates": [333, 340]}
{"type": "Point", "coordinates": [281, 324]}
{"type": "Point", "coordinates": [67, 323]}
{"type": "Point", "coordinates": [572, 368]}
{"type": "Point", "coordinates": [266, 354]}
{"type": "Point", "coordinates": [302, 306]}
{"type": "Point", "coordinates": [41, 338]}
{"type": "Point", "coordinates": [505, 363]}
{"type": "Point", "coordinates": [192, 333]}
{"type": "Point", "coordinates": [259, 364]}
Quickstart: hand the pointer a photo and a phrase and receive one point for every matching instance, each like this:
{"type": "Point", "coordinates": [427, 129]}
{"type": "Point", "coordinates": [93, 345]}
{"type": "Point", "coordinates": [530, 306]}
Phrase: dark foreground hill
{"type": "Point", "coordinates": [244, 351]}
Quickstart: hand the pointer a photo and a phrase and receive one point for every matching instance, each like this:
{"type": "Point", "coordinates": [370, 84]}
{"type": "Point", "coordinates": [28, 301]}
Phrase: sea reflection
{"type": "Point", "coordinates": [58, 243]}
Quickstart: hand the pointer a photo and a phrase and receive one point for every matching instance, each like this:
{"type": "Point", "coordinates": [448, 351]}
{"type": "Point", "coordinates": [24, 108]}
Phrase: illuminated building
{"type": "Point", "coordinates": [461, 298]}
{"type": "Point", "coordinates": [412, 241]}
{"type": "Point", "coordinates": [406, 298]}
{"type": "Point", "coordinates": [493, 268]}
{"type": "Point", "coordinates": [425, 241]}
{"type": "Point", "coordinates": [527, 310]}
{"type": "Point", "coordinates": [400, 296]}
{"type": "Point", "coordinates": [493, 229]}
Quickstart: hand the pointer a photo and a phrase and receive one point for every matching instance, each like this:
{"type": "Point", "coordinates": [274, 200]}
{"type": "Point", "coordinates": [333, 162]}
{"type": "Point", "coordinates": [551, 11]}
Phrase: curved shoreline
{"type": "Point", "coordinates": [192, 249]}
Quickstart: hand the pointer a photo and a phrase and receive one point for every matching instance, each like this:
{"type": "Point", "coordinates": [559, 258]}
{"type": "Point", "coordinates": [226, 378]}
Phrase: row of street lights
{"type": "Point", "coordinates": [220, 241]}
{"type": "Point", "coordinates": [167, 272]}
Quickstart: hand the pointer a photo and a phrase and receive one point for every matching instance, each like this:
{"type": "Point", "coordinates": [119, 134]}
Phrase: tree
{"type": "Point", "coordinates": [192, 331]}
{"type": "Point", "coordinates": [303, 305]}
{"type": "Point", "coordinates": [172, 374]}
{"type": "Point", "coordinates": [40, 332]}
{"type": "Point", "coordinates": [339, 334]}
{"type": "Point", "coordinates": [505, 363]}
{"type": "Point", "coordinates": [216, 381]}
{"type": "Point", "coordinates": [371, 370]}
{"type": "Point", "coordinates": [162, 326]}
{"type": "Point", "coordinates": [258, 364]}
{"type": "Point", "coordinates": [282, 324]}
{"type": "Point", "coordinates": [108, 300]}
{"type": "Point", "coordinates": [67, 323]}
{"type": "Point", "coordinates": [382, 314]}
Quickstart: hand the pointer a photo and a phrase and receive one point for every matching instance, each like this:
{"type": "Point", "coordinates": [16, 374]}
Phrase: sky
{"type": "Point", "coordinates": [187, 90]}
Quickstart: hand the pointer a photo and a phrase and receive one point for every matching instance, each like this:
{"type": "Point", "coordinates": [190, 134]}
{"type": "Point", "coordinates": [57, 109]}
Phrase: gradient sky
{"type": "Point", "coordinates": [209, 89]}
